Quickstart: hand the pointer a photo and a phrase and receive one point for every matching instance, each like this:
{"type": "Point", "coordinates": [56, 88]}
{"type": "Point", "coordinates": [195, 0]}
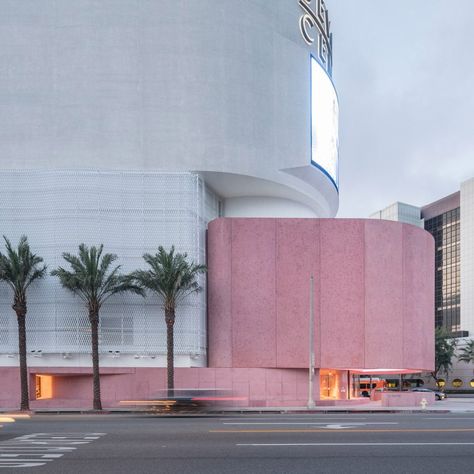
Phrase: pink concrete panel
{"type": "Point", "coordinates": [223, 379]}
{"type": "Point", "coordinates": [274, 390]}
{"type": "Point", "coordinates": [302, 390]}
{"type": "Point", "coordinates": [219, 258]}
{"type": "Point", "coordinates": [73, 387]}
{"type": "Point", "coordinates": [288, 391]}
{"type": "Point", "coordinates": [418, 330]}
{"type": "Point", "coordinates": [240, 389]}
{"type": "Point", "coordinates": [253, 293]}
{"type": "Point", "coordinates": [207, 378]}
{"type": "Point", "coordinates": [289, 376]}
{"type": "Point", "coordinates": [384, 308]}
{"type": "Point", "coordinates": [9, 387]}
{"type": "Point", "coordinates": [407, 399]}
{"type": "Point", "coordinates": [373, 278]}
{"type": "Point", "coordinates": [258, 391]}
{"type": "Point", "coordinates": [341, 333]}
{"type": "Point", "coordinates": [258, 387]}
{"type": "Point", "coordinates": [298, 250]}
{"type": "Point", "coordinates": [273, 376]}
{"type": "Point", "coordinates": [109, 386]}
{"type": "Point", "coordinates": [186, 379]}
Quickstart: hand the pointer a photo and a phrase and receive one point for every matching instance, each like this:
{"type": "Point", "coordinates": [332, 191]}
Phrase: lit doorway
{"type": "Point", "coordinates": [328, 385]}
{"type": "Point", "coordinates": [43, 387]}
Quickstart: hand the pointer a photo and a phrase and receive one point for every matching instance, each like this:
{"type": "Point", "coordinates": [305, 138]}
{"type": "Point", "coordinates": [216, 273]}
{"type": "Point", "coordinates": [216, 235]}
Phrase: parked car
{"type": "Point", "coordinates": [438, 395]}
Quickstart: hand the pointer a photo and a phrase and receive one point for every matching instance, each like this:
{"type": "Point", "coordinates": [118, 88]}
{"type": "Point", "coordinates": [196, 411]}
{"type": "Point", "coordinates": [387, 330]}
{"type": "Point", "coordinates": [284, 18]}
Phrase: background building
{"type": "Point", "coordinates": [450, 220]}
{"type": "Point", "coordinates": [442, 221]}
{"type": "Point", "coordinates": [400, 212]}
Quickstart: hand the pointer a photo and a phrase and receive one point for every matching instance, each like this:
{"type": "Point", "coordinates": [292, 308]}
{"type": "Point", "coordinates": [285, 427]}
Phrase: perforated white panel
{"type": "Point", "coordinates": [130, 213]}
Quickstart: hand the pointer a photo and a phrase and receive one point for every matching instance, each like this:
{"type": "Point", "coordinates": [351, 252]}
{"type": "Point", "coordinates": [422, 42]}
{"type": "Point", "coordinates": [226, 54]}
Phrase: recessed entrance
{"type": "Point", "coordinates": [43, 387]}
{"type": "Point", "coordinates": [328, 385]}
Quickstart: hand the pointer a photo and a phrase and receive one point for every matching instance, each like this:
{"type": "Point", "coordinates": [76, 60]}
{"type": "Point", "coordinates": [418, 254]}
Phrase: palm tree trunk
{"type": "Point", "coordinates": [169, 318]}
{"type": "Point", "coordinates": [94, 321]}
{"type": "Point", "coordinates": [25, 399]}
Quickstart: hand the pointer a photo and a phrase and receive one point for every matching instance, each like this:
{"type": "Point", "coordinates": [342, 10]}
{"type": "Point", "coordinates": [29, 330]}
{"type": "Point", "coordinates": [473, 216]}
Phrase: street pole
{"type": "Point", "coordinates": [311, 344]}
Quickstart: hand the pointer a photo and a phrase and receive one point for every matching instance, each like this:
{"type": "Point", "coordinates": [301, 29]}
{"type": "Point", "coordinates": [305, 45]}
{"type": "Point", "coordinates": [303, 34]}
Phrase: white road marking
{"type": "Point", "coordinates": [463, 418]}
{"type": "Point", "coordinates": [337, 427]}
{"type": "Point", "coordinates": [314, 423]}
{"type": "Point", "coordinates": [354, 444]}
{"type": "Point", "coordinates": [37, 449]}
{"type": "Point", "coordinates": [291, 417]}
{"type": "Point", "coordinates": [326, 425]}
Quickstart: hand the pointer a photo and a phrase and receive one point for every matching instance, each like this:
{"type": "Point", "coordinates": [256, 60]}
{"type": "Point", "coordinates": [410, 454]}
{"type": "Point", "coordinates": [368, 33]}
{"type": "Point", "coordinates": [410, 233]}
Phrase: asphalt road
{"type": "Point", "coordinates": [324, 443]}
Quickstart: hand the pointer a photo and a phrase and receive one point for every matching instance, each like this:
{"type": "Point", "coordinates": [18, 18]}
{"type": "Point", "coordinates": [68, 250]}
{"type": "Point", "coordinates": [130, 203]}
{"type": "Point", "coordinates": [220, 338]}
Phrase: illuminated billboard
{"type": "Point", "coordinates": [324, 123]}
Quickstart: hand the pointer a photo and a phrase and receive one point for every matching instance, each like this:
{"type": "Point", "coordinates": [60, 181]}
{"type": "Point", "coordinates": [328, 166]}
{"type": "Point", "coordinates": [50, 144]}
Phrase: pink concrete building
{"type": "Point", "coordinates": [373, 293]}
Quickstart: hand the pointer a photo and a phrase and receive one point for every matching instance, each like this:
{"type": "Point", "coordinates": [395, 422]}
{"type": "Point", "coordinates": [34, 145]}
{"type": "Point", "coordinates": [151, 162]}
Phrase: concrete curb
{"type": "Point", "coordinates": [270, 411]}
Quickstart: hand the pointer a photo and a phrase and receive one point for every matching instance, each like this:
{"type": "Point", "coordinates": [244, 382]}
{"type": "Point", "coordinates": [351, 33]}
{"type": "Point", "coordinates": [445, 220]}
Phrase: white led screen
{"type": "Point", "coordinates": [324, 122]}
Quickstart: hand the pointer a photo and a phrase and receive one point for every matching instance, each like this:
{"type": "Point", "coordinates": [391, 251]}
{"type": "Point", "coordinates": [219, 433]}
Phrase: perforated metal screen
{"type": "Point", "coordinates": [130, 213]}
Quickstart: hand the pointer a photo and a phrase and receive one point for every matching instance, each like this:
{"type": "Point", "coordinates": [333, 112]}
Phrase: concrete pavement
{"type": "Point", "coordinates": [456, 404]}
{"type": "Point", "coordinates": [269, 443]}
{"type": "Point", "coordinates": [459, 405]}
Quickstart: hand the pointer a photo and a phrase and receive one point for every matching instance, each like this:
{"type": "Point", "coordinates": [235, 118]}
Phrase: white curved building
{"type": "Point", "coordinates": [222, 89]}
{"type": "Point", "coordinates": [133, 123]}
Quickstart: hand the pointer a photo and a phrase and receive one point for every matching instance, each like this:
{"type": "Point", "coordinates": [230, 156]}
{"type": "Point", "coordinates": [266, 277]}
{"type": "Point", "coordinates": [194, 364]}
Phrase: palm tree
{"type": "Point", "coordinates": [19, 269]}
{"type": "Point", "coordinates": [92, 280]}
{"type": "Point", "coordinates": [467, 352]}
{"type": "Point", "coordinates": [445, 347]}
{"type": "Point", "coordinates": [172, 278]}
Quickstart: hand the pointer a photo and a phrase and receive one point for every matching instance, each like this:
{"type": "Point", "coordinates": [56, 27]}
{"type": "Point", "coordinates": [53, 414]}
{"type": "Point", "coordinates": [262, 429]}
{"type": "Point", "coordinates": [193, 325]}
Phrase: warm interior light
{"type": "Point", "coordinates": [44, 387]}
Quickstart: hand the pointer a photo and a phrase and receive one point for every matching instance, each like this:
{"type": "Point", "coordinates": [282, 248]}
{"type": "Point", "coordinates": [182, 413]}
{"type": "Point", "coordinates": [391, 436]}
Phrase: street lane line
{"type": "Point", "coordinates": [354, 444]}
{"type": "Point", "coordinates": [290, 417]}
{"type": "Point", "coordinates": [459, 418]}
{"type": "Point", "coordinates": [316, 430]}
{"type": "Point", "coordinates": [315, 423]}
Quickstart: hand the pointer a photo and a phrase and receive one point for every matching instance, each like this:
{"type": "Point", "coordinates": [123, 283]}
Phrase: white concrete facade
{"type": "Point", "coordinates": [131, 213]}
{"type": "Point", "coordinates": [218, 88]}
{"type": "Point", "coordinates": [133, 123]}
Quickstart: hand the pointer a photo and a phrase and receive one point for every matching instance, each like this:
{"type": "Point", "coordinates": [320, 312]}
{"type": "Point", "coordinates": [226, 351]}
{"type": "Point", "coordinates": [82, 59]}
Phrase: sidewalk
{"type": "Point", "coordinates": [450, 405]}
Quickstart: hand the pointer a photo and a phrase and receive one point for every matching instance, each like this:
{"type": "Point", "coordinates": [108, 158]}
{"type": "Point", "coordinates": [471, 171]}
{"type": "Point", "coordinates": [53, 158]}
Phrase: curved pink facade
{"type": "Point", "coordinates": [374, 296]}
{"type": "Point", "coordinates": [374, 287]}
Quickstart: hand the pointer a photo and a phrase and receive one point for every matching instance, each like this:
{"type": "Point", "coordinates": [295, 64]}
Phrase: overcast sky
{"type": "Point", "coordinates": [404, 71]}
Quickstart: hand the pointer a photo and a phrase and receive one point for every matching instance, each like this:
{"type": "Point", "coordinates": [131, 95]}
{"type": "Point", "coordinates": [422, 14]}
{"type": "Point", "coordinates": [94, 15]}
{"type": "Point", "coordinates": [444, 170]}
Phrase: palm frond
{"type": "Point", "coordinates": [466, 354]}
{"type": "Point", "coordinates": [91, 277]}
{"type": "Point", "coordinates": [19, 267]}
{"type": "Point", "coordinates": [170, 275]}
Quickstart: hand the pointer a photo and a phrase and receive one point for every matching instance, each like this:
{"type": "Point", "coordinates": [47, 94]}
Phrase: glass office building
{"type": "Point", "coordinates": [449, 221]}
{"type": "Point", "coordinates": [446, 230]}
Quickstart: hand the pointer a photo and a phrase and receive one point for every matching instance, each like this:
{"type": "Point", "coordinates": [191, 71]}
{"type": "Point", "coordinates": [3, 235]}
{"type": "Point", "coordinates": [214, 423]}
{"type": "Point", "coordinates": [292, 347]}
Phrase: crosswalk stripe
{"type": "Point", "coordinates": [38, 449]}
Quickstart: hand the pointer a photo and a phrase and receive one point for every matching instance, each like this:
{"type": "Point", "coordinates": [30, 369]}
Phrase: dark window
{"type": "Point", "coordinates": [445, 229]}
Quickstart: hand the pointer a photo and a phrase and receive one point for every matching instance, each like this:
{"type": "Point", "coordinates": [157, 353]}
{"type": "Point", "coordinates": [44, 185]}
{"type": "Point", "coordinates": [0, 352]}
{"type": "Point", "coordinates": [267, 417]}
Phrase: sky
{"type": "Point", "coordinates": [404, 72]}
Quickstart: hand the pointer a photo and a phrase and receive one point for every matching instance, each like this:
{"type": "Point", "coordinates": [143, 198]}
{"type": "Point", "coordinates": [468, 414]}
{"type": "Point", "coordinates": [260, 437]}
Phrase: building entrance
{"type": "Point", "coordinates": [43, 387]}
{"type": "Point", "coordinates": [328, 385]}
